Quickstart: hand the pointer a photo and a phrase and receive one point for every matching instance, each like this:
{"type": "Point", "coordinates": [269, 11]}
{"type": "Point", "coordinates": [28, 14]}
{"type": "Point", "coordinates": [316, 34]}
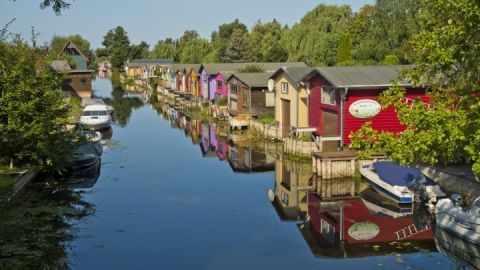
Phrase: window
{"type": "Point", "coordinates": [83, 81]}
{"type": "Point", "coordinates": [246, 97]}
{"type": "Point", "coordinates": [233, 88]}
{"type": "Point", "coordinates": [328, 95]}
{"type": "Point", "coordinates": [284, 88]}
{"type": "Point", "coordinates": [219, 85]}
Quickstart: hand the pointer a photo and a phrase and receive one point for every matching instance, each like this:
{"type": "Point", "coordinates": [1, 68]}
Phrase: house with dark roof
{"type": "Point", "coordinates": [77, 82]}
{"type": "Point", "coordinates": [291, 99]}
{"type": "Point", "coordinates": [248, 93]}
{"type": "Point", "coordinates": [145, 68]}
{"type": "Point", "coordinates": [342, 99]}
{"type": "Point", "coordinates": [80, 59]}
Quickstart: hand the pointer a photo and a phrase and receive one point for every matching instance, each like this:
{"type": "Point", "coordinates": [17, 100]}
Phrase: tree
{"type": "Point", "coordinates": [391, 60]}
{"type": "Point", "coordinates": [251, 69]}
{"type": "Point", "coordinates": [118, 45]}
{"type": "Point", "coordinates": [165, 49]}
{"type": "Point", "coordinates": [315, 39]}
{"type": "Point", "coordinates": [239, 49]}
{"type": "Point", "coordinates": [344, 49]}
{"type": "Point", "coordinates": [265, 41]}
{"type": "Point", "coordinates": [32, 111]}
{"type": "Point", "coordinates": [139, 51]}
{"type": "Point", "coordinates": [194, 51]}
{"type": "Point", "coordinates": [223, 37]}
{"type": "Point", "coordinates": [447, 130]}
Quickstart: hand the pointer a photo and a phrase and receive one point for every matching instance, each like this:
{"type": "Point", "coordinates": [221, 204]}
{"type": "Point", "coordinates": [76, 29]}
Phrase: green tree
{"type": "Point", "coordinates": [447, 130]}
{"type": "Point", "coordinates": [56, 5]}
{"type": "Point", "coordinates": [32, 111]}
{"type": "Point", "coordinates": [139, 51]}
{"type": "Point", "coordinates": [239, 49]}
{"type": "Point", "coordinates": [344, 50]}
{"type": "Point", "coordinates": [265, 41]}
{"type": "Point", "coordinates": [391, 60]}
{"type": "Point", "coordinates": [165, 49]}
{"type": "Point", "coordinates": [117, 43]}
{"type": "Point", "coordinates": [315, 39]}
{"type": "Point", "coordinates": [194, 51]}
{"type": "Point", "coordinates": [222, 38]}
{"type": "Point", "coordinates": [251, 69]}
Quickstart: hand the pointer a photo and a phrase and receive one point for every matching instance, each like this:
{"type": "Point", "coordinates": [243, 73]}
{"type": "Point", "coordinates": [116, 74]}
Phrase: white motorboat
{"type": "Point", "coordinates": [395, 181]}
{"type": "Point", "coordinates": [463, 221]}
{"type": "Point", "coordinates": [96, 117]}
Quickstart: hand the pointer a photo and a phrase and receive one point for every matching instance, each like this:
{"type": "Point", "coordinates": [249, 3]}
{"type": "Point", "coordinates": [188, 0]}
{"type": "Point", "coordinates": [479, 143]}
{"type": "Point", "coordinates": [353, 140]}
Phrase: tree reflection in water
{"type": "Point", "coordinates": [36, 226]}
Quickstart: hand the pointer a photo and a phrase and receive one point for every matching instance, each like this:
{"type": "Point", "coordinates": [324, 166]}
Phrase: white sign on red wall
{"type": "Point", "coordinates": [365, 108]}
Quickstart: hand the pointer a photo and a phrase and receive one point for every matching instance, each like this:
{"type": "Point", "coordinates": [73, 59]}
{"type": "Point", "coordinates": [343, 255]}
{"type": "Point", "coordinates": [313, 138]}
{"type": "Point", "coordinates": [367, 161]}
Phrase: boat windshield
{"type": "Point", "coordinates": [94, 113]}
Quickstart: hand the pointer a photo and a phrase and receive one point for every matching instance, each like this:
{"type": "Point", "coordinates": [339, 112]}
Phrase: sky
{"type": "Point", "coordinates": [151, 20]}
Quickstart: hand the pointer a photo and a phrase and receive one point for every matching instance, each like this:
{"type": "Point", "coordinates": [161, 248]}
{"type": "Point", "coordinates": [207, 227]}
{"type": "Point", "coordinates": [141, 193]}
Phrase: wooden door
{"type": "Point", "coordinates": [286, 126]}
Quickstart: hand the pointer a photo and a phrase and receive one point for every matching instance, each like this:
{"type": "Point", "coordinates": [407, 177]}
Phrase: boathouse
{"type": "Point", "coordinates": [81, 61]}
{"type": "Point", "coordinates": [145, 68]}
{"type": "Point", "coordinates": [249, 93]}
{"type": "Point", "coordinates": [291, 99]}
{"type": "Point", "coordinates": [76, 82]}
{"type": "Point", "coordinates": [342, 99]}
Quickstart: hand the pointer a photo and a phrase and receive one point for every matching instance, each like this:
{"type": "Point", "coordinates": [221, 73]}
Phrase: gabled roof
{"type": "Point", "coordinates": [76, 48]}
{"type": "Point", "coordinates": [229, 68]}
{"type": "Point", "coordinates": [253, 79]}
{"type": "Point", "coordinates": [60, 66]}
{"type": "Point", "coordinates": [151, 62]}
{"type": "Point", "coordinates": [186, 67]}
{"type": "Point", "coordinates": [296, 74]}
{"type": "Point", "coordinates": [361, 76]}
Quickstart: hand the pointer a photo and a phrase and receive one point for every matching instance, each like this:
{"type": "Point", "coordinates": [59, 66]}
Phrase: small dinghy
{"type": "Point", "coordinates": [464, 221]}
{"type": "Point", "coordinates": [395, 181]}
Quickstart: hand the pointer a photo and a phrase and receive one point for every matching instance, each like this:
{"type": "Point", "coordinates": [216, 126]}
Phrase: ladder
{"type": "Point", "coordinates": [409, 231]}
{"type": "Point", "coordinates": [410, 102]}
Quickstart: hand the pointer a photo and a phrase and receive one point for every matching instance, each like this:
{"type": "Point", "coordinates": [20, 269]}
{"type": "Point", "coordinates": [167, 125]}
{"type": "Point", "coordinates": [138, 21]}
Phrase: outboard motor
{"type": "Point", "coordinates": [457, 199]}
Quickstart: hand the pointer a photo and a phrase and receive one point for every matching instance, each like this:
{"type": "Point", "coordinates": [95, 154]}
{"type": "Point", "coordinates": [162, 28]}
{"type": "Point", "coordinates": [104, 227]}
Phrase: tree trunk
{"type": "Point", "coordinates": [11, 163]}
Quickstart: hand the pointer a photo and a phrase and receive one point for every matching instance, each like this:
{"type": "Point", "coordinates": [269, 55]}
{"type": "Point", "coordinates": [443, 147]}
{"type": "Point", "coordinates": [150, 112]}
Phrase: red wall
{"type": "Point", "coordinates": [315, 105]}
{"type": "Point", "coordinates": [386, 120]}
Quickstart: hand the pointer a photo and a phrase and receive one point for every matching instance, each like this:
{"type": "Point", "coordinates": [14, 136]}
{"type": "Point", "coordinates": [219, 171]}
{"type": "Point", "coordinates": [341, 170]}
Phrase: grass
{"type": "Point", "coordinates": [266, 119]}
{"type": "Point", "coordinates": [304, 138]}
{"type": "Point", "coordinates": [223, 102]}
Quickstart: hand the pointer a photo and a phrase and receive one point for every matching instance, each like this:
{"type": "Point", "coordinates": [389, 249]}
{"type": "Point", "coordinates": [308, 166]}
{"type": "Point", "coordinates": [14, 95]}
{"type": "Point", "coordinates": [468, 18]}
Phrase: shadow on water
{"type": "Point", "coordinates": [37, 225]}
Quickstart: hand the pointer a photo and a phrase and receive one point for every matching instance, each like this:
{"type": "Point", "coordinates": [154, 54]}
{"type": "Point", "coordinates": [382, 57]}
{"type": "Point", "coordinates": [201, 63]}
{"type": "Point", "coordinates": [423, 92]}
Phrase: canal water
{"type": "Point", "coordinates": [175, 193]}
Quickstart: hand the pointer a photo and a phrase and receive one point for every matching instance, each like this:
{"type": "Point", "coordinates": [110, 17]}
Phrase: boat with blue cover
{"type": "Point", "coordinates": [396, 182]}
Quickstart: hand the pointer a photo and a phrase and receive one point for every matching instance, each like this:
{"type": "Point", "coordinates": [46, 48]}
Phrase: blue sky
{"type": "Point", "coordinates": [151, 20]}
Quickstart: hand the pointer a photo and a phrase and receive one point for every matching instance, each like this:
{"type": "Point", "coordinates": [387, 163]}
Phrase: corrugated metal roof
{"type": "Point", "coordinates": [141, 62]}
{"type": "Point", "coordinates": [60, 66]}
{"type": "Point", "coordinates": [363, 76]}
{"type": "Point", "coordinates": [253, 79]}
{"type": "Point", "coordinates": [228, 68]}
{"type": "Point", "coordinates": [296, 74]}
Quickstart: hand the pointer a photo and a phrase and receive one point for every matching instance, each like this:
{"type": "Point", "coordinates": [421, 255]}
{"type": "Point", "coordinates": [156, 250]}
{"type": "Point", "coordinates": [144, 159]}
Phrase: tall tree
{"type": "Point", "coordinates": [345, 50]}
{"type": "Point", "coordinates": [32, 111]}
{"type": "Point", "coordinates": [239, 49]}
{"type": "Point", "coordinates": [265, 41]}
{"type": "Point", "coordinates": [315, 39]}
{"type": "Point", "coordinates": [195, 51]}
{"type": "Point", "coordinates": [117, 43]}
{"type": "Point", "coordinates": [447, 130]}
{"type": "Point", "coordinates": [139, 51]}
{"type": "Point", "coordinates": [222, 38]}
{"type": "Point", "coordinates": [165, 49]}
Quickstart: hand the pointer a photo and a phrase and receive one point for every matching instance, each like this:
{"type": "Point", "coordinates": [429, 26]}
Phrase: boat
{"type": "Point", "coordinates": [85, 159]}
{"type": "Point", "coordinates": [95, 137]}
{"type": "Point", "coordinates": [95, 117]}
{"type": "Point", "coordinates": [454, 216]}
{"type": "Point", "coordinates": [396, 182]}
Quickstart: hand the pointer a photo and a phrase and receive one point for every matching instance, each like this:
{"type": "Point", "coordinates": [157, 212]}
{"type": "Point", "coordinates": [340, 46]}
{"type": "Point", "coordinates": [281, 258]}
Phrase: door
{"type": "Point", "coordinates": [285, 118]}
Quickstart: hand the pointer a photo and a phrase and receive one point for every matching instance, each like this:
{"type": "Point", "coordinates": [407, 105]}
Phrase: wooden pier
{"type": "Point", "coordinates": [333, 165]}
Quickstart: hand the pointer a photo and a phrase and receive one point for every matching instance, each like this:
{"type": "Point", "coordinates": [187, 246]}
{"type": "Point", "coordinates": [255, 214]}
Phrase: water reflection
{"type": "Point", "coordinates": [463, 253]}
{"type": "Point", "coordinates": [36, 226]}
{"type": "Point", "coordinates": [292, 184]}
{"type": "Point", "coordinates": [349, 227]}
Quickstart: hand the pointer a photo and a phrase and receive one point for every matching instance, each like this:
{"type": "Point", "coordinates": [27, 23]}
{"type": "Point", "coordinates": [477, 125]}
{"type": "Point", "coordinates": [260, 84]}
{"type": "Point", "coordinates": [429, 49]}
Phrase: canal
{"type": "Point", "coordinates": [176, 193]}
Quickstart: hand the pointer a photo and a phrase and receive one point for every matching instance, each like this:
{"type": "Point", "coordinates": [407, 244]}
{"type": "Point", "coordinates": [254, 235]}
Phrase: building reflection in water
{"type": "Point", "coordinates": [243, 158]}
{"type": "Point", "coordinates": [365, 225]}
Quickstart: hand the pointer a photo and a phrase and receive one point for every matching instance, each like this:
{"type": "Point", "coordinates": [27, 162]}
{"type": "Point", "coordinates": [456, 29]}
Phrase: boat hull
{"type": "Point", "coordinates": [384, 188]}
{"type": "Point", "coordinates": [462, 224]}
{"type": "Point", "coordinates": [96, 126]}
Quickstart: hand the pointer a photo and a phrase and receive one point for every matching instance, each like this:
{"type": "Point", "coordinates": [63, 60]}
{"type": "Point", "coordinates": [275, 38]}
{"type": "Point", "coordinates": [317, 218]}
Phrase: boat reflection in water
{"type": "Point", "coordinates": [365, 225]}
{"type": "Point", "coordinates": [85, 180]}
{"type": "Point", "coordinates": [244, 158]}
{"type": "Point", "coordinates": [463, 253]}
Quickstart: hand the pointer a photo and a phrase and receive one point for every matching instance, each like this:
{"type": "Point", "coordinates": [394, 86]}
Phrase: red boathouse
{"type": "Point", "coordinates": [344, 98]}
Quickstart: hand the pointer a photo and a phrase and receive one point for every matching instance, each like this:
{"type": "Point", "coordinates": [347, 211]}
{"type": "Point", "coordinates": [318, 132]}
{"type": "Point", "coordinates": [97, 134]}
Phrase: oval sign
{"type": "Point", "coordinates": [365, 108]}
{"type": "Point", "coordinates": [364, 230]}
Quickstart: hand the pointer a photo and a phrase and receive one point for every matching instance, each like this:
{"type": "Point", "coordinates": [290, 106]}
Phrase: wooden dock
{"type": "Point", "coordinates": [333, 165]}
